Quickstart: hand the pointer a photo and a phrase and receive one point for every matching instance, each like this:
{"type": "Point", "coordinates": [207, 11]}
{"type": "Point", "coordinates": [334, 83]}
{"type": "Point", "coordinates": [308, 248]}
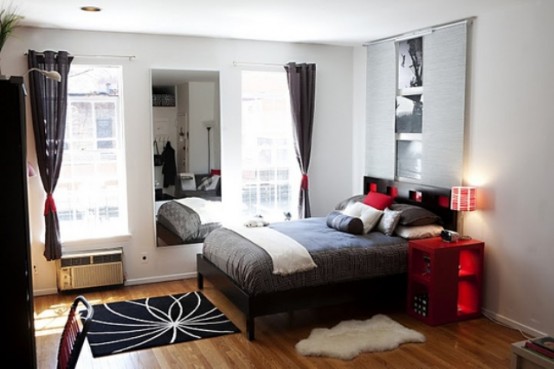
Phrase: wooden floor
{"type": "Point", "coordinates": [477, 343]}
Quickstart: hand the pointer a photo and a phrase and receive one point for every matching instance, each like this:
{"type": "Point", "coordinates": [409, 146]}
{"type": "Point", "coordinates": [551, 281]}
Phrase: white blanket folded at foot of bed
{"type": "Point", "coordinates": [288, 256]}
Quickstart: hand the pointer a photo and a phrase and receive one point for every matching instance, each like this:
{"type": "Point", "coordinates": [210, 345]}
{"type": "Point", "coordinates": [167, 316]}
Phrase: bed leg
{"type": "Point", "coordinates": [200, 281]}
{"type": "Point", "coordinates": [250, 328]}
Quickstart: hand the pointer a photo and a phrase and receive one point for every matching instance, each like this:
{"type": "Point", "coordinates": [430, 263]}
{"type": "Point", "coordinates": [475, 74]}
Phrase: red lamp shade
{"type": "Point", "coordinates": [462, 198]}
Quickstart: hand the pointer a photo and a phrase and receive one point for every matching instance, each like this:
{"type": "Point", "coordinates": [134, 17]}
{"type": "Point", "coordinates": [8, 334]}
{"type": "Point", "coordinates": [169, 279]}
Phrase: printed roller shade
{"type": "Point", "coordinates": [440, 155]}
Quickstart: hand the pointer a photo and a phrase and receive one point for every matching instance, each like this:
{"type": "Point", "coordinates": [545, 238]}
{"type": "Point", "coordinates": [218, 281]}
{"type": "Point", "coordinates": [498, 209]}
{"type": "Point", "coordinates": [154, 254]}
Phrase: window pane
{"type": "Point", "coordinates": [408, 159]}
{"type": "Point", "coordinates": [269, 167]}
{"type": "Point", "coordinates": [90, 195]}
{"type": "Point", "coordinates": [409, 114]}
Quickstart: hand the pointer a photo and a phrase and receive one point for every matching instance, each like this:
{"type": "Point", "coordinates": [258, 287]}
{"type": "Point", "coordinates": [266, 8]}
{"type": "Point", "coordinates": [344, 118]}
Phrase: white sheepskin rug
{"type": "Point", "coordinates": [349, 338]}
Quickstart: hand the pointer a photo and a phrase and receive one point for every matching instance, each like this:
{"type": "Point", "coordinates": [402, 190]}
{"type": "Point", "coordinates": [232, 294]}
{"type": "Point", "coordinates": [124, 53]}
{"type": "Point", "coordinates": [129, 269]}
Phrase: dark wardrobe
{"type": "Point", "coordinates": [18, 302]}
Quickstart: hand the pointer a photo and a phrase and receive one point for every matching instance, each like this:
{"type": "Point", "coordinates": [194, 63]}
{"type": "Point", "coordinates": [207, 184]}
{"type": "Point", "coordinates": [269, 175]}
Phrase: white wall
{"type": "Point", "coordinates": [509, 155]}
{"type": "Point", "coordinates": [330, 178]}
{"type": "Point", "coordinates": [202, 108]}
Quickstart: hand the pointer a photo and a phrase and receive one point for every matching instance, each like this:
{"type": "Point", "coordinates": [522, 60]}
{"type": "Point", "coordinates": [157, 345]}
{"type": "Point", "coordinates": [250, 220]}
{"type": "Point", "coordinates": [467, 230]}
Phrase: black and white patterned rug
{"type": "Point", "coordinates": [138, 324]}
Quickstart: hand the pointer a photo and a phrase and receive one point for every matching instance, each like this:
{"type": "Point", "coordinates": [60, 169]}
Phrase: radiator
{"type": "Point", "coordinates": [90, 269]}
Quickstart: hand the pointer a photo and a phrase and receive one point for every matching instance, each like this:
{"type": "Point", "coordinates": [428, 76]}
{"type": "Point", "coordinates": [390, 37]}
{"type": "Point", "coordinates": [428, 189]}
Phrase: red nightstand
{"type": "Point", "coordinates": [445, 280]}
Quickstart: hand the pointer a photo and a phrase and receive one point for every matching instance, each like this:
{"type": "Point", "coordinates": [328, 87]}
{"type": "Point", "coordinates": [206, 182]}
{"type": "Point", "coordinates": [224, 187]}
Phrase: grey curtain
{"type": "Point", "coordinates": [49, 106]}
{"type": "Point", "coordinates": [301, 82]}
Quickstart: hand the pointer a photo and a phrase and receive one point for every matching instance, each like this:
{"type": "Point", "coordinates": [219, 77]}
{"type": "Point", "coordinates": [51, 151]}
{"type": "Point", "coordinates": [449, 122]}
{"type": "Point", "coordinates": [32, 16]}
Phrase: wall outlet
{"type": "Point", "coordinates": [144, 257]}
{"type": "Point", "coordinates": [35, 269]}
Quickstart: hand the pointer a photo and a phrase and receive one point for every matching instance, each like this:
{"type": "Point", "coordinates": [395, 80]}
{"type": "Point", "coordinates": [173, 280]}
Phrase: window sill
{"type": "Point", "coordinates": [90, 244]}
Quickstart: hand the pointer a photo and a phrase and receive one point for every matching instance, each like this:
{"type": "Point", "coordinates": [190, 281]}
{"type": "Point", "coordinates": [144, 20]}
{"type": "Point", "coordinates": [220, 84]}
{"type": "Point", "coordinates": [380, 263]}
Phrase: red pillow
{"type": "Point", "coordinates": [377, 200]}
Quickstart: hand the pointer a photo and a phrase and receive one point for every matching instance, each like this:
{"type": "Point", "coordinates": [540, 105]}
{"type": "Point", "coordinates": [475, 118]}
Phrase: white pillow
{"type": "Point", "coordinates": [353, 209]}
{"type": "Point", "coordinates": [369, 215]}
{"type": "Point", "coordinates": [415, 232]}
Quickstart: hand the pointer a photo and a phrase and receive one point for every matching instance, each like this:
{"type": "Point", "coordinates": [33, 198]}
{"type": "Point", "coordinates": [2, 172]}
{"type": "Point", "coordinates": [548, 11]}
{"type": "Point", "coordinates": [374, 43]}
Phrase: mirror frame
{"type": "Point", "coordinates": [195, 131]}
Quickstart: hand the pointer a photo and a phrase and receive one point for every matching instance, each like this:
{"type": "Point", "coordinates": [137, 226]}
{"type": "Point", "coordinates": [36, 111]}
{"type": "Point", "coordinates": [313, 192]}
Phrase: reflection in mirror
{"type": "Point", "coordinates": [187, 155]}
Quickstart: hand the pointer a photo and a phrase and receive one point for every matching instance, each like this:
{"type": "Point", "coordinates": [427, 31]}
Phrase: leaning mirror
{"type": "Point", "coordinates": [187, 154]}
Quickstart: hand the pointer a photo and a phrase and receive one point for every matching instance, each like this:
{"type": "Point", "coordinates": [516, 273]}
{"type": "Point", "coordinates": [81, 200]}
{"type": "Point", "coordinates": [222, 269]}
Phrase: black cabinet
{"type": "Point", "coordinates": [18, 303]}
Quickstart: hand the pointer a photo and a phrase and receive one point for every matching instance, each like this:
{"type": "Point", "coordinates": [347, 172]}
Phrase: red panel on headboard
{"type": "Point", "coordinates": [444, 201]}
{"type": "Point", "coordinates": [416, 196]}
{"type": "Point", "coordinates": [435, 199]}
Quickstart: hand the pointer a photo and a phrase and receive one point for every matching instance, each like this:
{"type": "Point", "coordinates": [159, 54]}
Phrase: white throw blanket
{"type": "Point", "coordinates": [288, 256]}
{"type": "Point", "coordinates": [208, 211]}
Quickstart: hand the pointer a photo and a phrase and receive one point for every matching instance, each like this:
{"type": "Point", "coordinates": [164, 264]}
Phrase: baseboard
{"type": "Point", "coordinates": [498, 318]}
{"type": "Point", "coordinates": [129, 282]}
{"type": "Point", "coordinates": [46, 291]}
{"type": "Point", "coordinates": [164, 278]}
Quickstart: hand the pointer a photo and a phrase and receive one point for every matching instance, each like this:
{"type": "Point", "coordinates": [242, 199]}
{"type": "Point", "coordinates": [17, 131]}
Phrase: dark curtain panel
{"type": "Point", "coordinates": [301, 81]}
{"type": "Point", "coordinates": [49, 106]}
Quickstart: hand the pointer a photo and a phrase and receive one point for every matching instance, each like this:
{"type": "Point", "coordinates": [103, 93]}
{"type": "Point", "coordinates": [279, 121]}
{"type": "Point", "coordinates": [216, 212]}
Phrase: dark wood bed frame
{"type": "Point", "coordinates": [432, 198]}
{"type": "Point", "coordinates": [165, 237]}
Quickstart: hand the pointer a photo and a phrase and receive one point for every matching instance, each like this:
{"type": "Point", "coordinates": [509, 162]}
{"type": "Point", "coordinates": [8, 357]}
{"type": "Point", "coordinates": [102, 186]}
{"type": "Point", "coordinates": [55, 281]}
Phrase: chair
{"type": "Point", "coordinates": [206, 186]}
{"type": "Point", "coordinates": [74, 334]}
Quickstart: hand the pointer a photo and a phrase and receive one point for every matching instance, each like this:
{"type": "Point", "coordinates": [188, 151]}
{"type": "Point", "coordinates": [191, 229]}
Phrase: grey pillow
{"type": "Point", "coordinates": [412, 215]}
{"type": "Point", "coordinates": [352, 199]}
{"type": "Point", "coordinates": [389, 221]}
{"type": "Point", "coordinates": [345, 223]}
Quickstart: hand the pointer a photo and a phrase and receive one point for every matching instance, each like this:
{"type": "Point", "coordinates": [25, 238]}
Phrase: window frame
{"type": "Point", "coordinates": [250, 160]}
{"type": "Point", "coordinates": [77, 234]}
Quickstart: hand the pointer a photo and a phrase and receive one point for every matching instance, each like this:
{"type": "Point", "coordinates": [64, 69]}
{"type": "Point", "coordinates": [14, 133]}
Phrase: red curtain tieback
{"type": "Point", "coordinates": [304, 183]}
{"type": "Point", "coordinates": [49, 205]}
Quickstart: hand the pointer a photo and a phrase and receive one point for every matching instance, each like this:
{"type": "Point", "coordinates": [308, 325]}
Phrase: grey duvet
{"type": "Point", "coordinates": [339, 256]}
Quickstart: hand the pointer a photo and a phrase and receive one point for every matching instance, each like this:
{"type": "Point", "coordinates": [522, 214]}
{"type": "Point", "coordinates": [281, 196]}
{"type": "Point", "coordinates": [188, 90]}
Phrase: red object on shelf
{"type": "Point", "coordinates": [445, 280]}
{"type": "Point", "coordinates": [543, 351]}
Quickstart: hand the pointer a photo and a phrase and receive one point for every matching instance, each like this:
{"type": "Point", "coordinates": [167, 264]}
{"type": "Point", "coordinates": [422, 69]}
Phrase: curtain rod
{"type": "Point", "coordinates": [253, 64]}
{"type": "Point", "coordinates": [420, 32]}
{"type": "Point", "coordinates": [130, 57]}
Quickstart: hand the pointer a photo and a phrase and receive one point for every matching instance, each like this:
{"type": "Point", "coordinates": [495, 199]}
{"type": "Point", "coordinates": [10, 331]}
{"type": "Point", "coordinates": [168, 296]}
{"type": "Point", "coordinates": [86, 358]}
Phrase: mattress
{"type": "Point", "coordinates": [339, 256]}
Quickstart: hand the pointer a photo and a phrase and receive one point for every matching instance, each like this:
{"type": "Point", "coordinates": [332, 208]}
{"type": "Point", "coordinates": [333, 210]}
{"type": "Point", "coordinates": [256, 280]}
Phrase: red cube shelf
{"type": "Point", "coordinates": [445, 280]}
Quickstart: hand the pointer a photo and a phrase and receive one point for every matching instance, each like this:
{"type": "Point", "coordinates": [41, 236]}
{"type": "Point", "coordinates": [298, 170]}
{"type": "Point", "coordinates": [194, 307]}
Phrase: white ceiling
{"type": "Point", "coordinates": [344, 22]}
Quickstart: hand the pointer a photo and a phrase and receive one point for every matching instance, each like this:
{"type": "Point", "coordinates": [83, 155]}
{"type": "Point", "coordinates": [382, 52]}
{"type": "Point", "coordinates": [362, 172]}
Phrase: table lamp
{"type": "Point", "coordinates": [462, 199]}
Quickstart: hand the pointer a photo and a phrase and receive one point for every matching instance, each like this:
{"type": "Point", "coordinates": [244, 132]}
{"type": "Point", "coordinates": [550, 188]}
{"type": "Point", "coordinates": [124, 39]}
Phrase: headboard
{"type": "Point", "coordinates": [435, 199]}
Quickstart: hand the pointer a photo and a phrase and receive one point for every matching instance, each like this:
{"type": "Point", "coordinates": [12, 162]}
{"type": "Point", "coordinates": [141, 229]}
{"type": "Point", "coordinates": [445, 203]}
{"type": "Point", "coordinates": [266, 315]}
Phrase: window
{"type": "Point", "coordinates": [90, 195]}
{"type": "Point", "coordinates": [409, 109]}
{"type": "Point", "coordinates": [270, 173]}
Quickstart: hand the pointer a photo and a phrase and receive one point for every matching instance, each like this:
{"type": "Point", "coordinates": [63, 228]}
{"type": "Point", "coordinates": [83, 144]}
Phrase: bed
{"type": "Point", "coordinates": [366, 265]}
{"type": "Point", "coordinates": [187, 220]}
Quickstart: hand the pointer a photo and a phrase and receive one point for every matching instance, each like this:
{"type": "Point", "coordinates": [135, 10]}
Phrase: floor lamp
{"type": "Point", "coordinates": [209, 125]}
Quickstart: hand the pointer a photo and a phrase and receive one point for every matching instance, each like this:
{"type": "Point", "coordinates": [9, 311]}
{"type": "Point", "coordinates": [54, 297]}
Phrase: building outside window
{"type": "Point", "coordinates": [270, 174]}
{"type": "Point", "coordinates": [91, 194]}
